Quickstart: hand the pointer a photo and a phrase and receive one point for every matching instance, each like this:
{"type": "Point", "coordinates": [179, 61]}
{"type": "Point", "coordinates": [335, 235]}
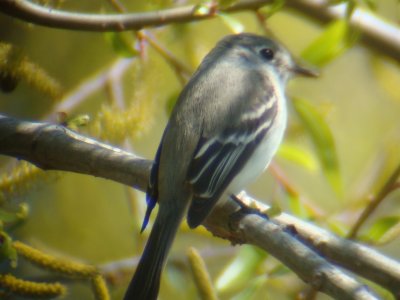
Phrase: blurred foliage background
{"type": "Point", "coordinates": [341, 146]}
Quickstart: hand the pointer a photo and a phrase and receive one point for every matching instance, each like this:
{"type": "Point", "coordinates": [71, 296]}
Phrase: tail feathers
{"type": "Point", "coordinates": [145, 283]}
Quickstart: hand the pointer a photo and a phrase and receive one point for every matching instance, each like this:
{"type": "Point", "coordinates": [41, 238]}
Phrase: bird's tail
{"type": "Point", "coordinates": [146, 281]}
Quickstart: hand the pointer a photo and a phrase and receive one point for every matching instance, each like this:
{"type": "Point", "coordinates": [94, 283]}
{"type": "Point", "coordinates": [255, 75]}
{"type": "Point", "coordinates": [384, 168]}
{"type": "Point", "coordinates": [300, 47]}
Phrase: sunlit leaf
{"type": "Point", "coordinates": [234, 25]}
{"type": "Point", "coordinates": [241, 269]}
{"type": "Point", "coordinates": [380, 227]}
{"type": "Point", "coordinates": [122, 43]}
{"type": "Point", "coordinates": [323, 141]}
{"type": "Point", "coordinates": [296, 154]}
{"type": "Point", "coordinates": [390, 235]}
{"type": "Point", "coordinates": [329, 45]}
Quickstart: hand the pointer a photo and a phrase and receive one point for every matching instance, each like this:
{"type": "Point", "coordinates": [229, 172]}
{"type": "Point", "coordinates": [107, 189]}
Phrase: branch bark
{"type": "Point", "coordinates": [312, 253]}
{"type": "Point", "coordinates": [376, 33]}
{"type": "Point", "coordinates": [54, 147]}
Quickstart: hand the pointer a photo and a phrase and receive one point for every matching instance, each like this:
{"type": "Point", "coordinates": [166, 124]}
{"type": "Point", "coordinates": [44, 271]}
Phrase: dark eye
{"type": "Point", "coordinates": [267, 53]}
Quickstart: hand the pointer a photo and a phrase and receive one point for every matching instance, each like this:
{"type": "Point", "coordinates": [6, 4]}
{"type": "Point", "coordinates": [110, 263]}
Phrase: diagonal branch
{"type": "Point", "coordinates": [309, 251]}
{"type": "Point", "coordinates": [352, 256]}
{"type": "Point", "coordinates": [376, 33]}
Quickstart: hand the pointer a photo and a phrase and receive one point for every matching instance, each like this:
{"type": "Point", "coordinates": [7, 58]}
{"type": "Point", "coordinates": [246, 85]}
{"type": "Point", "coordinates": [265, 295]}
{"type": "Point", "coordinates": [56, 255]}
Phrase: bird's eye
{"type": "Point", "coordinates": [267, 53]}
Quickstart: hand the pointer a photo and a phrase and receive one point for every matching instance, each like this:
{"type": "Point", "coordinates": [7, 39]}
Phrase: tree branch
{"type": "Point", "coordinates": [376, 33]}
{"type": "Point", "coordinates": [351, 255]}
{"type": "Point", "coordinates": [308, 250]}
{"type": "Point", "coordinates": [37, 14]}
{"type": "Point", "coordinates": [284, 243]}
{"type": "Point", "coordinates": [54, 147]}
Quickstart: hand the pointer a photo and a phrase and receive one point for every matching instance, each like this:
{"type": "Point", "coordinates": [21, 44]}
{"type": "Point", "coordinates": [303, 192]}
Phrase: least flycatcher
{"type": "Point", "coordinates": [225, 128]}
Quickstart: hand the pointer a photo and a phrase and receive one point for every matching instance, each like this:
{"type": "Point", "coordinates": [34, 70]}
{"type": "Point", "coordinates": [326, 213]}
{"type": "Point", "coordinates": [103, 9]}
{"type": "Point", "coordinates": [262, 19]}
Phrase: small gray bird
{"type": "Point", "coordinates": [224, 130]}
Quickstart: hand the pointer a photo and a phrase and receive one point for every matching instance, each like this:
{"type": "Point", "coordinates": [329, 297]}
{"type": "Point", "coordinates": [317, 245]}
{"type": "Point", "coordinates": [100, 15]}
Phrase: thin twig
{"type": "Point", "coordinates": [291, 190]}
{"type": "Point", "coordinates": [372, 206]}
{"type": "Point", "coordinates": [117, 5]}
{"type": "Point", "coordinates": [376, 33]}
{"type": "Point", "coordinates": [182, 71]}
{"type": "Point", "coordinates": [90, 86]}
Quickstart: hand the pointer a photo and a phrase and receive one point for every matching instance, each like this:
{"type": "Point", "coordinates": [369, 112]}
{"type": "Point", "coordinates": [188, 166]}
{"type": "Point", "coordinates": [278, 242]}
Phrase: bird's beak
{"type": "Point", "coordinates": [302, 71]}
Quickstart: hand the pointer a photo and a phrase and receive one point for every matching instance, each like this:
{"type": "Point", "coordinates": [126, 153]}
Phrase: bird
{"type": "Point", "coordinates": [224, 129]}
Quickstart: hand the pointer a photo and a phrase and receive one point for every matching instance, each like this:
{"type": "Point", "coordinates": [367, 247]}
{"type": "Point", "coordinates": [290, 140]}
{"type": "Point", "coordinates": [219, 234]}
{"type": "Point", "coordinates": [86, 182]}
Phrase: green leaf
{"type": "Point", "coordinates": [322, 139]}
{"type": "Point", "coordinates": [233, 24]}
{"type": "Point", "coordinates": [329, 45]}
{"type": "Point", "coordinates": [380, 228]}
{"type": "Point", "coordinates": [122, 43]}
{"type": "Point", "coordinates": [241, 269]}
{"type": "Point", "coordinates": [392, 234]}
{"type": "Point", "coordinates": [295, 153]}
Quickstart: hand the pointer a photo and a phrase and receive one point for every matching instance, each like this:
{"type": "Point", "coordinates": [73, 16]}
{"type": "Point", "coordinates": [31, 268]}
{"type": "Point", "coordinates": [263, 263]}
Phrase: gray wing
{"type": "Point", "coordinates": [218, 159]}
